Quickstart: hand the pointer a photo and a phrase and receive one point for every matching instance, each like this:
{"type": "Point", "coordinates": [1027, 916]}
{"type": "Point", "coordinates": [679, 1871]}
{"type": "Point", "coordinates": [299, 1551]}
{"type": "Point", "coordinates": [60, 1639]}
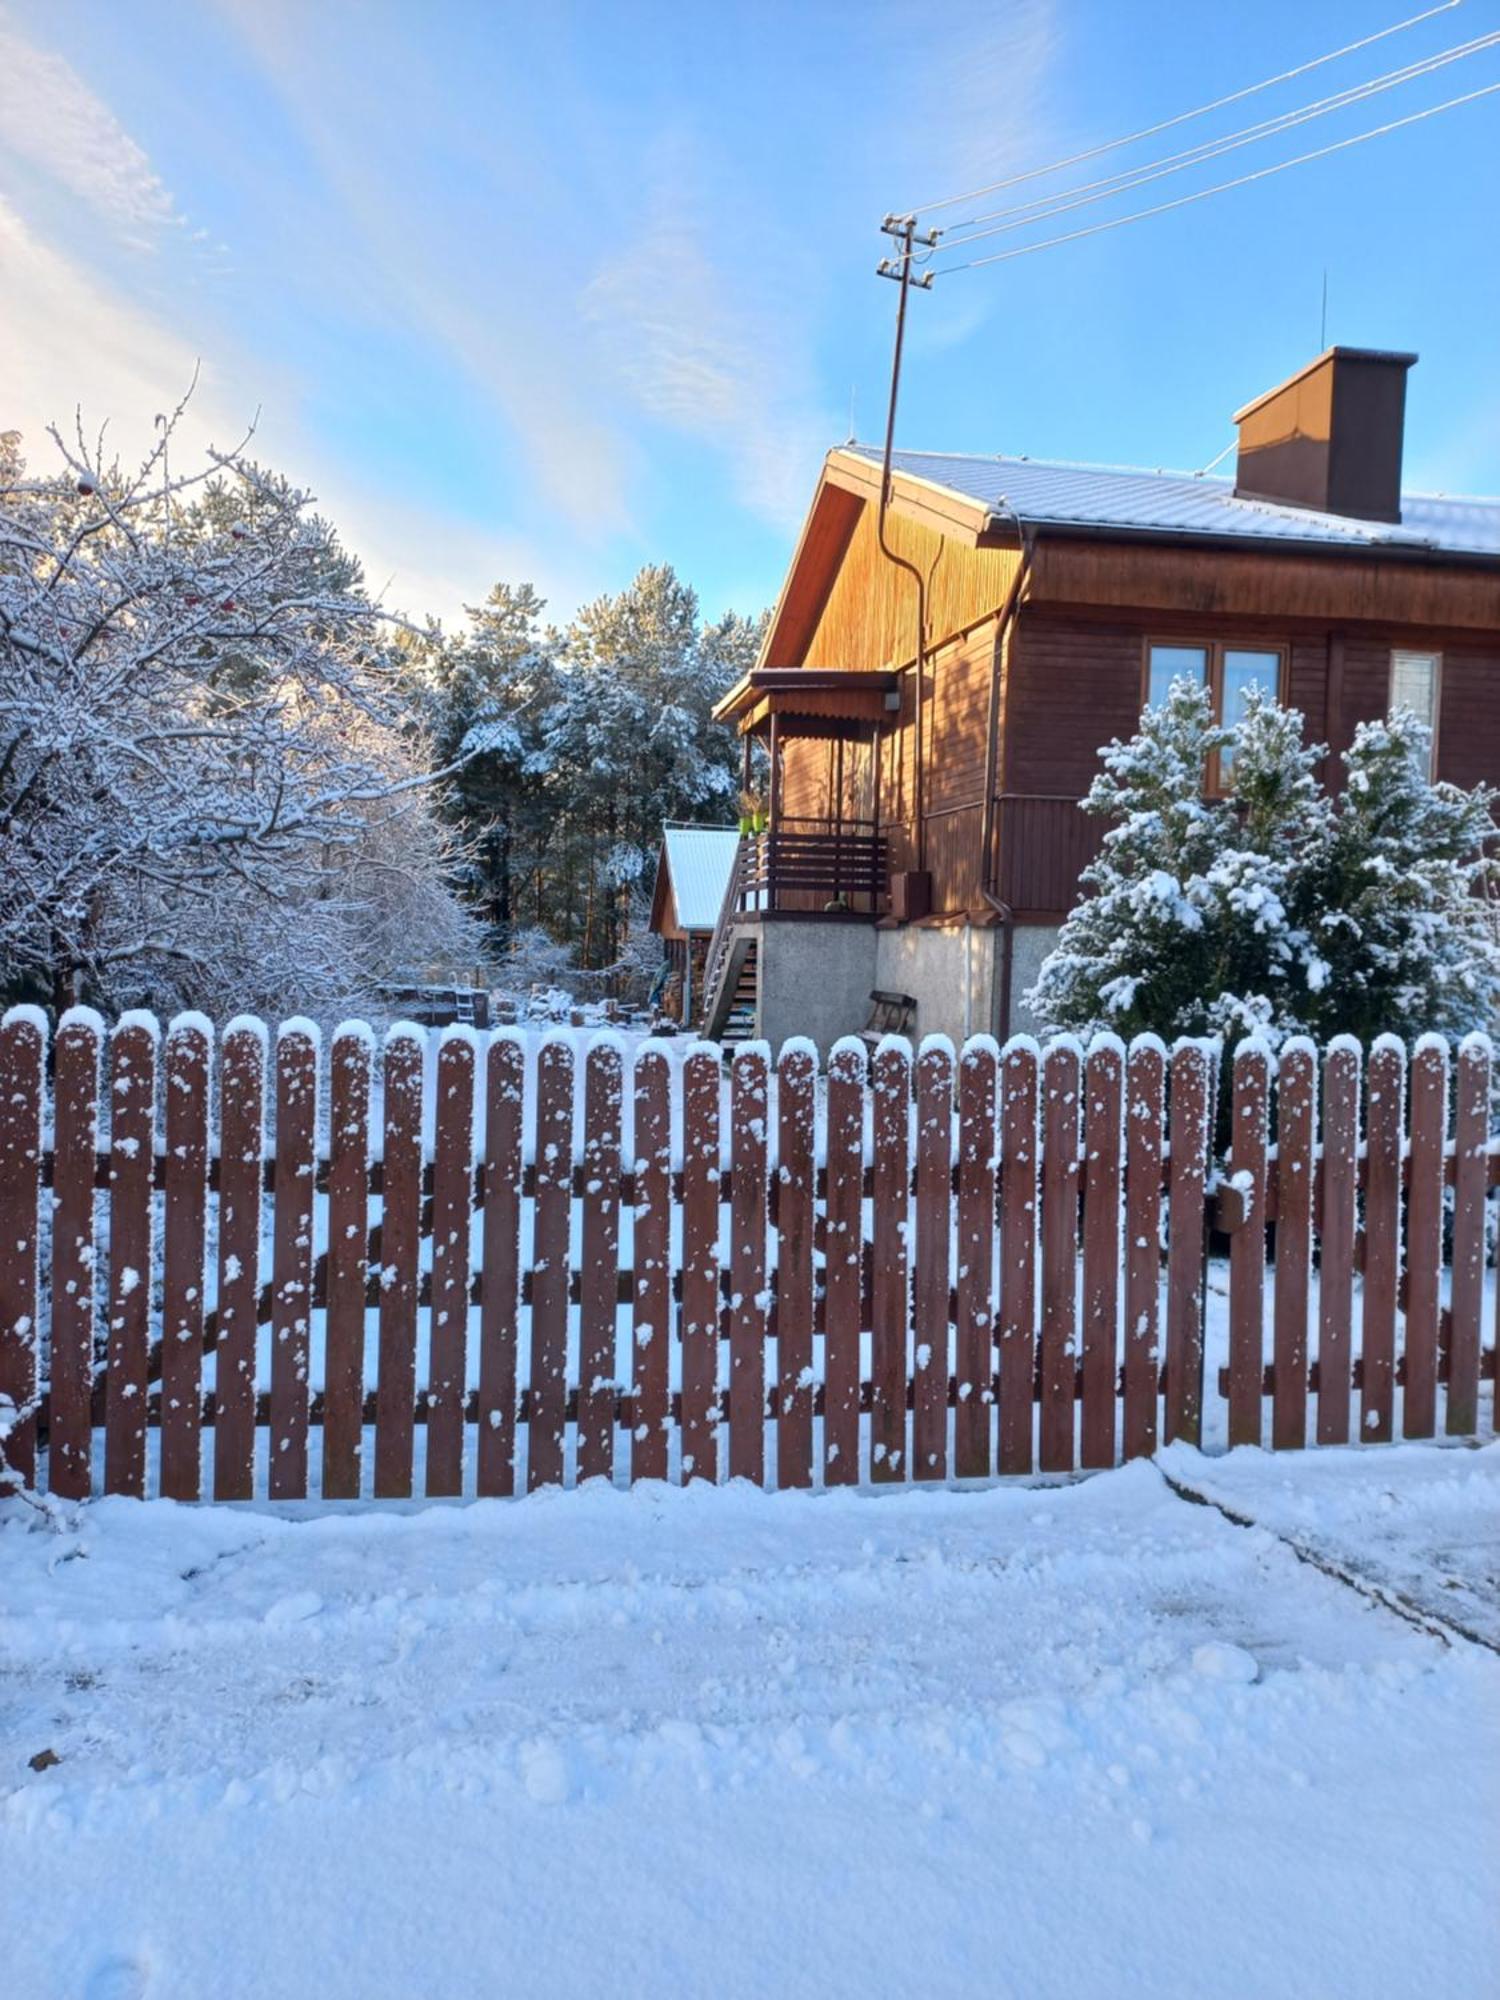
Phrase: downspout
{"type": "Point", "coordinates": [1000, 990]}
{"type": "Point", "coordinates": [900, 561]}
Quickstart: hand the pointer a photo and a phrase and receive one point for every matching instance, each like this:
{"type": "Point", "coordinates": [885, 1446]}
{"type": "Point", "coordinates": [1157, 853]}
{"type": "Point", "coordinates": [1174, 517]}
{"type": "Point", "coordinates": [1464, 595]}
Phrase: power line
{"type": "Point", "coordinates": [1185, 117]}
{"type": "Point", "coordinates": [1041, 207]}
{"type": "Point", "coordinates": [1221, 187]}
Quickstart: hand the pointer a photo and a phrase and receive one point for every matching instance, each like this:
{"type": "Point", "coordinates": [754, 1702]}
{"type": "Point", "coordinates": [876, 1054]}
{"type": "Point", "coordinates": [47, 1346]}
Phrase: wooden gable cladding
{"type": "Point", "coordinates": [870, 616]}
{"type": "Point", "coordinates": [1385, 589]}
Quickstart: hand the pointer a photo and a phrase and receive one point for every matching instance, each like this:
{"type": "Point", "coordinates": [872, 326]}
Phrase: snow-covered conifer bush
{"type": "Point", "coordinates": [209, 789]}
{"type": "Point", "coordinates": [1276, 909]}
{"type": "Point", "coordinates": [1400, 902]}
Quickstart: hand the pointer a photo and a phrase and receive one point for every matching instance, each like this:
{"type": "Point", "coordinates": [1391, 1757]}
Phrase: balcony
{"type": "Point", "coordinates": [805, 867]}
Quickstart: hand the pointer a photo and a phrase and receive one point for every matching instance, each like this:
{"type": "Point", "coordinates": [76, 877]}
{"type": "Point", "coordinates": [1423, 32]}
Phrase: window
{"type": "Point", "coordinates": [1230, 671]}
{"type": "Point", "coordinates": [1414, 685]}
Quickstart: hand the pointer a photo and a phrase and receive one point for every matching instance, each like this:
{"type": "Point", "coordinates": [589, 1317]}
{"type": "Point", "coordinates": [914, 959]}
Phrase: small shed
{"type": "Point", "coordinates": [693, 871]}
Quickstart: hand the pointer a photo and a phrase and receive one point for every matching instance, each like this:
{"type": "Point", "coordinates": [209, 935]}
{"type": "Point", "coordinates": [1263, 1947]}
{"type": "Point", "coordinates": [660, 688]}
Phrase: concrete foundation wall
{"type": "Point", "coordinates": [813, 979]}
{"type": "Point", "coordinates": [949, 973]}
{"type": "Point", "coordinates": [1030, 945]}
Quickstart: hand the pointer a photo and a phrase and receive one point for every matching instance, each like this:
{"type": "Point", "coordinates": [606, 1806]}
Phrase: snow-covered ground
{"type": "Point", "coordinates": [1073, 1740]}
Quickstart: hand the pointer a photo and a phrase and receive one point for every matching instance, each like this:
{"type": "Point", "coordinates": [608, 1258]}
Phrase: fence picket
{"type": "Point", "coordinates": [702, 1091]}
{"type": "Point", "coordinates": [1250, 1105]}
{"type": "Point", "coordinates": [547, 1374]}
{"type": "Point", "coordinates": [1061, 1089]}
{"type": "Point", "coordinates": [749, 1110]}
{"type": "Point", "coordinates": [452, 1203]}
{"type": "Point", "coordinates": [978, 1092]}
{"type": "Point", "coordinates": [599, 1252]}
{"type": "Point", "coordinates": [23, 1044]}
{"type": "Point", "coordinates": [1382, 1235]}
{"type": "Point", "coordinates": [292, 1256]}
{"type": "Point", "coordinates": [1145, 1092]}
{"type": "Point", "coordinates": [400, 1249]}
{"type": "Point", "coordinates": [1471, 1131]}
{"type": "Point", "coordinates": [891, 1307]}
{"type": "Point", "coordinates": [1296, 1165]}
{"type": "Point", "coordinates": [1103, 1083]}
{"type": "Point", "coordinates": [131, 1241]}
{"type": "Point", "coordinates": [934, 1082]}
{"type": "Point", "coordinates": [651, 1322]}
{"type": "Point", "coordinates": [185, 1072]}
{"type": "Point", "coordinates": [242, 1120]}
{"type": "Point", "coordinates": [349, 1068]}
{"type": "Point", "coordinates": [1336, 1237]}
{"type": "Point", "coordinates": [76, 1136]}
{"type": "Point", "coordinates": [1019, 1188]}
{"type": "Point", "coordinates": [500, 1285]}
{"type": "Point", "coordinates": [797, 1074]}
{"type": "Point", "coordinates": [1424, 1234]}
{"type": "Point", "coordinates": [844, 1263]}
{"type": "Point", "coordinates": [1191, 1116]}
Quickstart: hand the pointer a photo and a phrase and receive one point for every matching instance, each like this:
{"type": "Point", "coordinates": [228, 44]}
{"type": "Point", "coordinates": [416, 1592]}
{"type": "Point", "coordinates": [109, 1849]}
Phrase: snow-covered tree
{"type": "Point", "coordinates": [1275, 908]}
{"type": "Point", "coordinates": [482, 695]}
{"type": "Point", "coordinates": [208, 789]}
{"type": "Point", "coordinates": [582, 744]}
{"type": "Point", "coordinates": [1400, 906]}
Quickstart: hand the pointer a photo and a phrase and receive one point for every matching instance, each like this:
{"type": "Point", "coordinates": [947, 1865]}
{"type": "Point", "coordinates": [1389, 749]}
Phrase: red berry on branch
{"type": "Point", "coordinates": [86, 486]}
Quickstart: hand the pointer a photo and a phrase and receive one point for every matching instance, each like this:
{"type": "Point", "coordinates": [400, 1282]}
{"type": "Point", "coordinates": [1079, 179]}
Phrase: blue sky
{"type": "Point", "coordinates": [548, 291]}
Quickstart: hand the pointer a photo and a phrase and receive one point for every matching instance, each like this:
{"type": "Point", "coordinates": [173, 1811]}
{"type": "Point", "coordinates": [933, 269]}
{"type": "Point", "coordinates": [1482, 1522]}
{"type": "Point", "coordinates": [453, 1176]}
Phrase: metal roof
{"type": "Point", "coordinates": [1102, 497]}
{"type": "Point", "coordinates": [699, 859]}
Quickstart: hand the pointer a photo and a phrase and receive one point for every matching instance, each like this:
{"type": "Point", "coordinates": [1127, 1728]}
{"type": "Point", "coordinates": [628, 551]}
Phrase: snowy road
{"type": "Point", "coordinates": [1082, 1740]}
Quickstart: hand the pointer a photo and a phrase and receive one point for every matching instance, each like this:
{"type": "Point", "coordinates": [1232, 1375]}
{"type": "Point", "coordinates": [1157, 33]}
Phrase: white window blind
{"type": "Point", "coordinates": [1414, 685]}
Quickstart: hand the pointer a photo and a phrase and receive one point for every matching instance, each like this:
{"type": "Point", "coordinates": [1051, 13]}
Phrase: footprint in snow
{"type": "Point", "coordinates": [118, 1979]}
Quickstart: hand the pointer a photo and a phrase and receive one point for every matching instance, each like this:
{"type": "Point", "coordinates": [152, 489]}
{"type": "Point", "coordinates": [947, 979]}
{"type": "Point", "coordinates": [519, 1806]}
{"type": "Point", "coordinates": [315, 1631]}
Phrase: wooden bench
{"type": "Point", "coordinates": [890, 1014]}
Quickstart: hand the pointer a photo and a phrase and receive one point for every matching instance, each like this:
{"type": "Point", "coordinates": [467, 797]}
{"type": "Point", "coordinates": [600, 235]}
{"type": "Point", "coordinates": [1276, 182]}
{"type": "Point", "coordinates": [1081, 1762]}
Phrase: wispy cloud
{"type": "Point", "coordinates": [52, 120]}
{"type": "Point", "coordinates": [74, 349]}
{"type": "Point", "coordinates": [697, 349]}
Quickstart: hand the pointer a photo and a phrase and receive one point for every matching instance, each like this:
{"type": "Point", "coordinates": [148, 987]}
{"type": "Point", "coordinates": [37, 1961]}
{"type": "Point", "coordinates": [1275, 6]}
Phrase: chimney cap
{"type": "Point", "coordinates": [1390, 356]}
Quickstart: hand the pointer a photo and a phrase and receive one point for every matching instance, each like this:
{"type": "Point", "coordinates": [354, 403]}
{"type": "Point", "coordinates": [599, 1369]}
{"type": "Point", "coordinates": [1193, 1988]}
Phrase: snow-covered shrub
{"type": "Point", "coordinates": [1276, 909]}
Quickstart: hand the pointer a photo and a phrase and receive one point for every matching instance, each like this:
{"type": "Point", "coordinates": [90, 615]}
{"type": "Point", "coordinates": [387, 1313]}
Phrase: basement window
{"type": "Point", "coordinates": [1414, 684]}
{"type": "Point", "coordinates": [1229, 671]}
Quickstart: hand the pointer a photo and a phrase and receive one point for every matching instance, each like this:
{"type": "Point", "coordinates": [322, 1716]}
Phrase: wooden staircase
{"type": "Point", "coordinates": [730, 969]}
{"type": "Point", "coordinates": [738, 1018]}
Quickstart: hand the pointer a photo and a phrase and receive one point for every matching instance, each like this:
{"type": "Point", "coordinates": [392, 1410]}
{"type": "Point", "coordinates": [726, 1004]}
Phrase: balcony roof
{"type": "Point", "coordinates": [812, 701]}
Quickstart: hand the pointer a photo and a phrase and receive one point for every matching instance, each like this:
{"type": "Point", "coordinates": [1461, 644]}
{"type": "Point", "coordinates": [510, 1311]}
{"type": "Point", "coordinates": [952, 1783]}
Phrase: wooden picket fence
{"type": "Point", "coordinates": [932, 1265]}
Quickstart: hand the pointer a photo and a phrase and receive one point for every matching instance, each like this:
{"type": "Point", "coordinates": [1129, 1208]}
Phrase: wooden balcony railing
{"type": "Point", "coordinates": [811, 868]}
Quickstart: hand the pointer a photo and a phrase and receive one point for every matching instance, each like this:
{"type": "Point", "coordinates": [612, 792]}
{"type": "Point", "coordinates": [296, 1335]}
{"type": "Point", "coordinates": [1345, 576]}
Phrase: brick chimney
{"type": "Point", "coordinates": [1329, 437]}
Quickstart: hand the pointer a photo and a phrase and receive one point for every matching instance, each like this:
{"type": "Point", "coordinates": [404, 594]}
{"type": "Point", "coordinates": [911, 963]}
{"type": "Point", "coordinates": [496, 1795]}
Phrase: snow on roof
{"type": "Point", "coordinates": [699, 859]}
{"type": "Point", "coordinates": [1187, 503]}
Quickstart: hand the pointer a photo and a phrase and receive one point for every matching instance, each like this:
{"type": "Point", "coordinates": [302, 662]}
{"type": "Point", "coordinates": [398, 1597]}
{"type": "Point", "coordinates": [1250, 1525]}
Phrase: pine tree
{"type": "Point", "coordinates": [1276, 909]}
{"type": "Point", "coordinates": [1398, 908]}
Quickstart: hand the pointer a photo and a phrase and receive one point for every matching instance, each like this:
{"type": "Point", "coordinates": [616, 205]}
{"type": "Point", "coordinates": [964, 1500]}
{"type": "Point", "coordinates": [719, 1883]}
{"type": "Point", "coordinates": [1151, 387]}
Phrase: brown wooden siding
{"type": "Point", "coordinates": [1294, 589]}
{"type": "Point", "coordinates": [1070, 687]}
{"type": "Point", "coordinates": [869, 620]}
{"type": "Point", "coordinates": [1469, 716]}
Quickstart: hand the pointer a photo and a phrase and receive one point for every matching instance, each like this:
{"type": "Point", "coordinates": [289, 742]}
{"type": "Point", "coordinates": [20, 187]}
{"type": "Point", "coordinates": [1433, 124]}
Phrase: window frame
{"type": "Point", "coordinates": [1213, 782]}
{"type": "Point", "coordinates": [1435, 720]}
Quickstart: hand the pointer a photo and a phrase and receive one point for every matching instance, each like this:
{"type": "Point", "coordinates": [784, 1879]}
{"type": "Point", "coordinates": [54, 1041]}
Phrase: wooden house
{"type": "Point", "coordinates": [935, 686]}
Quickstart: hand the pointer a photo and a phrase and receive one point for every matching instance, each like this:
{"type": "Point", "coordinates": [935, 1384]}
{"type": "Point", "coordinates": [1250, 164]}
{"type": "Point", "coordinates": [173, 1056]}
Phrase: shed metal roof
{"type": "Point", "coordinates": [1102, 497]}
{"type": "Point", "coordinates": [699, 859]}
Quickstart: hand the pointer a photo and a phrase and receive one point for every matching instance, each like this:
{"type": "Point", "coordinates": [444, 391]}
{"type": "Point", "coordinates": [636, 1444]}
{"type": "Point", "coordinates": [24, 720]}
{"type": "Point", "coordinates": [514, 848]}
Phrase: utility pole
{"type": "Point", "coordinates": [903, 228]}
